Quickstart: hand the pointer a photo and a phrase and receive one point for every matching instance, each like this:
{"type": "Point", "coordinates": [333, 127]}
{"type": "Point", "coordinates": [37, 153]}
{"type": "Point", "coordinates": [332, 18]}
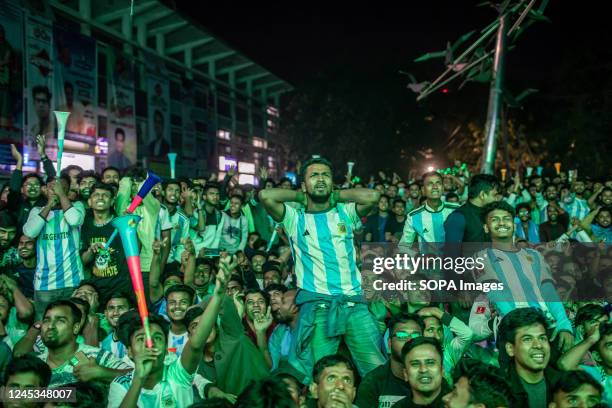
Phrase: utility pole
{"type": "Point", "coordinates": [495, 99]}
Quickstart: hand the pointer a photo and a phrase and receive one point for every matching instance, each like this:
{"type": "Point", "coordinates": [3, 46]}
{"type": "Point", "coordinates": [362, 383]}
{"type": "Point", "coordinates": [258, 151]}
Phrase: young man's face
{"type": "Point", "coordinates": [524, 214]}
{"type": "Point", "coordinates": [7, 235]}
{"type": "Point", "coordinates": [271, 277]}
{"type": "Point", "coordinates": [287, 307]}
{"type": "Point", "coordinates": [336, 383]}
{"type": "Point", "coordinates": [553, 214]}
{"type": "Point", "coordinates": [172, 193]}
{"type": "Point", "coordinates": [460, 396]}
{"type": "Point", "coordinates": [603, 218]}
{"type": "Point", "coordinates": [399, 209]}
{"type": "Point", "coordinates": [115, 307]}
{"type": "Point", "coordinates": [383, 204]}
{"type": "Point", "coordinates": [432, 187]}
{"type": "Point", "coordinates": [89, 294]}
{"type": "Point", "coordinates": [257, 263]}
{"type": "Point", "coordinates": [423, 369]}
{"type": "Point", "coordinates": [402, 332]}
{"type": "Point", "coordinates": [604, 349]}
{"type": "Point", "coordinates": [550, 193]}
{"type": "Point", "coordinates": [392, 191]}
{"type": "Point", "coordinates": [201, 276]}
{"type": "Point", "coordinates": [414, 192]}
{"type": "Point", "coordinates": [490, 196]}
{"type": "Point", "coordinates": [177, 304]}
{"type": "Point", "coordinates": [255, 305]}
{"type": "Point", "coordinates": [579, 187]}
{"type": "Point", "coordinates": [86, 185]}
{"type": "Point", "coordinates": [101, 200]}
{"type": "Point", "coordinates": [26, 247]}
{"type": "Point", "coordinates": [41, 105]}
{"type": "Point", "coordinates": [110, 176]}
{"type": "Point", "coordinates": [58, 327]}
{"type": "Point", "coordinates": [119, 142]}
{"type": "Point", "coordinates": [606, 198]}
{"type": "Point", "coordinates": [500, 224]}
{"type": "Point", "coordinates": [22, 381]}
{"type": "Point", "coordinates": [585, 396]}
{"type": "Point", "coordinates": [433, 328]}
{"type": "Point", "coordinates": [235, 206]}
{"type": "Point", "coordinates": [212, 196]}
{"type": "Point", "coordinates": [276, 298]}
{"type": "Point", "coordinates": [531, 349]}
{"type": "Point", "coordinates": [31, 188]}
{"type": "Point", "coordinates": [138, 344]}
{"type": "Point", "coordinates": [318, 182]}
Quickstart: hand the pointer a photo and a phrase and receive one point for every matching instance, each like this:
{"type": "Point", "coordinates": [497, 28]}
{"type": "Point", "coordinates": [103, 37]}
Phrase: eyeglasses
{"type": "Point", "coordinates": [405, 336]}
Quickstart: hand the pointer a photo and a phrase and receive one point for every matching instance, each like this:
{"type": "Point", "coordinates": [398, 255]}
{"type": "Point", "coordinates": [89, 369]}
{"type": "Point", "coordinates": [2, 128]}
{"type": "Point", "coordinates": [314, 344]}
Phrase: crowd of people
{"type": "Point", "coordinates": [257, 295]}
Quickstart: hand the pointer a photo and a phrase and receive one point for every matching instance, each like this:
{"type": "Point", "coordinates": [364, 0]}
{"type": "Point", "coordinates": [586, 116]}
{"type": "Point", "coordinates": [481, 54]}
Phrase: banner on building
{"type": "Point", "coordinates": [121, 128]}
{"type": "Point", "coordinates": [39, 97]}
{"type": "Point", "coordinates": [11, 78]}
{"type": "Point", "coordinates": [158, 143]}
{"type": "Point", "coordinates": [76, 85]}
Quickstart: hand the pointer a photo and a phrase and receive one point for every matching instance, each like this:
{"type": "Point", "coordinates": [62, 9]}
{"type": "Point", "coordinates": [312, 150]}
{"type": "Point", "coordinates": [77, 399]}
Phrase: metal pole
{"type": "Point", "coordinates": [495, 100]}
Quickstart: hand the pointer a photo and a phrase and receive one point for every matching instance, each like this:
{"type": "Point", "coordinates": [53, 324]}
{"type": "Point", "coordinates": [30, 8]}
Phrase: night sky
{"type": "Point", "coordinates": [306, 42]}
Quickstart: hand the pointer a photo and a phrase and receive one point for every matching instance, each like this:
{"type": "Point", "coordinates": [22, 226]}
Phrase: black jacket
{"type": "Point", "coordinates": [551, 376]}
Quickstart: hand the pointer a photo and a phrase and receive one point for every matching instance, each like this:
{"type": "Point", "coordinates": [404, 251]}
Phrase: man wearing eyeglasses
{"type": "Point", "coordinates": [385, 385]}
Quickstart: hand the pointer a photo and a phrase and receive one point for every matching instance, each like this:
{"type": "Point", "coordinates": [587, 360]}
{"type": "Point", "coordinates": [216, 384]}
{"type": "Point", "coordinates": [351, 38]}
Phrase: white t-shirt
{"type": "Point", "coordinates": [177, 341]}
{"type": "Point", "coordinates": [173, 391]}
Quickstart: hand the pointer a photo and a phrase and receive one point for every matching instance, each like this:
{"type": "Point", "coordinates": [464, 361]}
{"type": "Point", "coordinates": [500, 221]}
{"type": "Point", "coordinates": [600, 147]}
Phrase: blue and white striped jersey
{"type": "Point", "coordinates": [427, 224]}
{"type": "Point", "coordinates": [523, 274]}
{"type": "Point", "coordinates": [58, 239]}
{"type": "Point", "coordinates": [115, 347]}
{"type": "Point", "coordinates": [180, 231]}
{"type": "Point", "coordinates": [576, 208]}
{"type": "Point", "coordinates": [323, 249]}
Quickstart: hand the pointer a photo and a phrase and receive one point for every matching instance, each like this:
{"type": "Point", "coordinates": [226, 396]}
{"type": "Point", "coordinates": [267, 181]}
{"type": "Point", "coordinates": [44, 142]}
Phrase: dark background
{"type": "Point", "coordinates": [355, 51]}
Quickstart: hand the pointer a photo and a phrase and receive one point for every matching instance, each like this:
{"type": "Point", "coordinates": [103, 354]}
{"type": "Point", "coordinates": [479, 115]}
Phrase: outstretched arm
{"type": "Point", "coordinates": [273, 200]}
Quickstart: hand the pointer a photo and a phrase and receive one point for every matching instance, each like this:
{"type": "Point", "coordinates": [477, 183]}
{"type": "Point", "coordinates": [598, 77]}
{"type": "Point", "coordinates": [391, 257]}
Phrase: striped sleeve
{"type": "Point", "coordinates": [290, 220]}
{"type": "Point", "coordinates": [108, 360]}
{"type": "Point", "coordinates": [35, 223]}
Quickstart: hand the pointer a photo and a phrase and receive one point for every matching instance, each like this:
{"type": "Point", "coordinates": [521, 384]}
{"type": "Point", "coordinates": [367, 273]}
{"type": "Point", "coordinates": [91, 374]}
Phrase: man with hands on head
{"type": "Point", "coordinates": [321, 236]}
{"type": "Point", "coordinates": [152, 383]}
{"type": "Point", "coordinates": [56, 228]}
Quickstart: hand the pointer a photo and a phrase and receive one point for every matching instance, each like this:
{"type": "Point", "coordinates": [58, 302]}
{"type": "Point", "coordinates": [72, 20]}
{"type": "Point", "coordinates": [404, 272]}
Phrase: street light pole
{"type": "Point", "coordinates": [495, 99]}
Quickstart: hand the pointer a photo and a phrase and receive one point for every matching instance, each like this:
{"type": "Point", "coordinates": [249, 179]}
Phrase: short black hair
{"type": "Point", "coordinates": [168, 182]}
{"type": "Point", "coordinates": [31, 175]}
{"type": "Point", "coordinates": [74, 309]}
{"type": "Point", "coordinates": [330, 361]}
{"type": "Point", "coordinates": [130, 322]}
{"type": "Point", "coordinates": [191, 314]}
{"type": "Point", "coordinates": [41, 89]}
{"type": "Point", "coordinates": [205, 261]}
{"type": "Point", "coordinates": [399, 200]}
{"type": "Point", "coordinates": [7, 220]}
{"type": "Point", "coordinates": [87, 173]}
{"type": "Point", "coordinates": [210, 185]}
{"type": "Point", "coordinates": [61, 177]}
{"type": "Point", "coordinates": [487, 384]}
{"type": "Point", "coordinates": [89, 282]}
{"type": "Point", "coordinates": [589, 312]}
{"type": "Point", "coordinates": [497, 205]}
{"type": "Point", "coordinates": [431, 174]}
{"type": "Point", "coordinates": [570, 381]}
{"type": "Point", "coordinates": [236, 278]}
{"type": "Point", "coordinates": [420, 341]}
{"type": "Point", "coordinates": [120, 295]}
{"type": "Point", "coordinates": [482, 183]}
{"type": "Point", "coordinates": [404, 317]}
{"type": "Point", "coordinates": [66, 170]}
{"type": "Point", "coordinates": [105, 187]}
{"type": "Point", "coordinates": [276, 286]}
{"type": "Point", "coordinates": [119, 131]}
{"type": "Point", "coordinates": [28, 363]}
{"type": "Point", "coordinates": [517, 318]}
{"type": "Point", "coordinates": [181, 288]}
{"type": "Point", "coordinates": [237, 196]}
{"type": "Point", "coordinates": [257, 252]}
{"type": "Point", "coordinates": [520, 206]}
{"type": "Point", "coordinates": [265, 393]}
{"type": "Point", "coordinates": [310, 162]}
{"type": "Point", "coordinates": [111, 168]}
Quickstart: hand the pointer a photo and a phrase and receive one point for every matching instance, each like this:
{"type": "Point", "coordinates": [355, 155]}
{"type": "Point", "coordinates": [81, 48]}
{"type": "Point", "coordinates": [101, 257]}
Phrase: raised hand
{"type": "Point", "coordinates": [40, 145]}
{"type": "Point", "coordinates": [16, 154]}
{"type": "Point", "coordinates": [263, 173]}
{"type": "Point", "coordinates": [144, 362]}
{"type": "Point", "coordinates": [88, 370]}
{"type": "Point", "coordinates": [231, 171]}
{"type": "Point", "coordinates": [263, 321]}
